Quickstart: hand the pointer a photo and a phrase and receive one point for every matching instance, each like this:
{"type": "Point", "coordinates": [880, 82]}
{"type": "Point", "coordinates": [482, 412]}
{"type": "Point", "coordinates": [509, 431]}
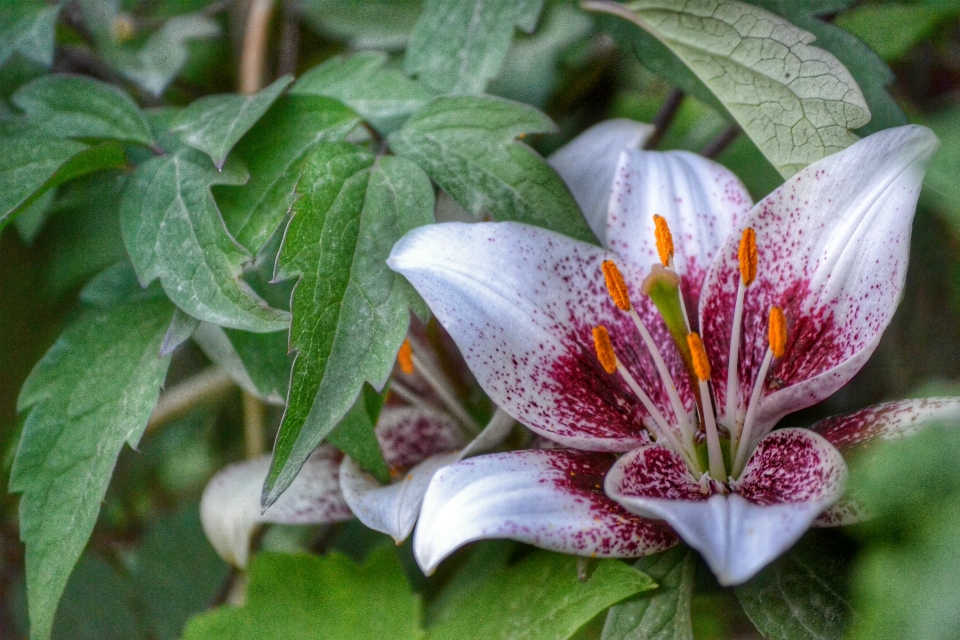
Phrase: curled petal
{"type": "Point", "coordinates": [701, 201]}
{"type": "Point", "coordinates": [230, 506]}
{"type": "Point", "coordinates": [588, 164]}
{"type": "Point", "coordinates": [521, 304]}
{"type": "Point", "coordinates": [789, 480]}
{"type": "Point", "coordinates": [887, 421]}
{"type": "Point", "coordinates": [551, 499]}
{"type": "Point", "coordinates": [410, 435]}
{"type": "Point", "coordinates": [833, 243]}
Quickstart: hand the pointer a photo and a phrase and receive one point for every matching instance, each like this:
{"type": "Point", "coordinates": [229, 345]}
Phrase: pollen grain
{"type": "Point", "coordinates": [405, 357]}
{"type": "Point", "coordinates": [605, 354]}
{"type": "Point", "coordinates": [777, 332]}
{"type": "Point", "coordinates": [664, 239]}
{"type": "Point", "coordinates": [748, 256]}
{"type": "Point", "coordinates": [701, 366]}
{"type": "Point", "coordinates": [615, 285]}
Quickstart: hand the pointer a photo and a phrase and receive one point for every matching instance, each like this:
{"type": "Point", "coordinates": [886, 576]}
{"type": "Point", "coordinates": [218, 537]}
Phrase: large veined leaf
{"type": "Point", "coordinates": [350, 312]}
{"type": "Point", "coordinates": [538, 598]}
{"type": "Point", "coordinates": [383, 96]}
{"type": "Point", "coordinates": [303, 597]}
{"type": "Point", "coordinates": [467, 145]}
{"type": "Point", "coordinates": [28, 28]}
{"type": "Point", "coordinates": [214, 124]}
{"type": "Point", "coordinates": [662, 614]}
{"type": "Point", "coordinates": [92, 391]}
{"type": "Point", "coordinates": [78, 107]}
{"type": "Point", "coordinates": [457, 46]}
{"type": "Point", "coordinates": [31, 164]}
{"type": "Point", "coordinates": [273, 152]}
{"type": "Point", "coordinates": [173, 231]}
{"type": "Point", "coordinates": [797, 102]}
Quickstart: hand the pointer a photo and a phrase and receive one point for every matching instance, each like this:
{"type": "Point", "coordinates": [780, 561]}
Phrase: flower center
{"type": "Point", "coordinates": [663, 288]}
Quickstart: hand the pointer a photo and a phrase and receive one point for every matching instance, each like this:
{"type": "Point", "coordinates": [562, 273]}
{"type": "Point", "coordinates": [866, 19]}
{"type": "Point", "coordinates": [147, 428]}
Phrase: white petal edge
{"type": "Point", "coordinates": [522, 495]}
{"type": "Point", "coordinates": [230, 505]}
{"type": "Point", "coordinates": [587, 165]}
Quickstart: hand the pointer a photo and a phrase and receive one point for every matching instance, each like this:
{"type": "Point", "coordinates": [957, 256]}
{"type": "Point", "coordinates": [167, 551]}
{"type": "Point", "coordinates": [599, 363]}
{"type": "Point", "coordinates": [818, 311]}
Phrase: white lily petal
{"type": "Point", "coordinates": [521, 303]}
{"type": "Point", "coordinates": [391, 509]}
{"type": "Point", "coordinates": [230, 506]}
{"type": "Point", "coordinates": [701, 200]}
{"type": "Point", "coordinates": [588, 164]}
{"type": "Point", "coordinates": [885, 422]}
{"type": "Point", "coordinates": [493, 434]}
{"type": "Point", "coordinates": [409, 435]}
{"type": "Point", "coordinates": [548, 498]}
{"type": "Point", "coordinates": [833, 243]}
{"type": "Point", "coordinates": [792, 477]}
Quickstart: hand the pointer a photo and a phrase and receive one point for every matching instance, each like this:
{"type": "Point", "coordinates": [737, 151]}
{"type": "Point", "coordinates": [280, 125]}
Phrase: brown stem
{"type": "Point", "coordinates": [254, 53]}
{"type": "Point", "coordinates": [289, 42]}
{"type": "Point", "coordinates": [663, 119]}
{"type": "Point", "coordinates": [205, 386]}
{"type": "Point", "coordinates": [717, 146]}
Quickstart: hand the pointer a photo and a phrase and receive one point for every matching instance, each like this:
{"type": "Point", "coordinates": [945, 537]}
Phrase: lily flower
{"type": "Point", "coordinates": [680, 344]}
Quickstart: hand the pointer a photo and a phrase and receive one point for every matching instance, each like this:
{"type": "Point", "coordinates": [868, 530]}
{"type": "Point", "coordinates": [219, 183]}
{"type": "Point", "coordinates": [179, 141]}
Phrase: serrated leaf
{"type": "Point", "coordinates": [350, 311]}
{"type": "Point", "coordinates": [32, 164]}
{"type": "Point", "coordinates": [157, 63]}
{"type": "Point", "coordinates": [28, 28]}
{"type": "Point", "coordinates": [181, 328]}
{"type": "Point", "coordinates": [173, 231]}
{"type": "Point", "coordinates": [466, 144]}
{"type": "Point", "coordinates": [263, 369]}
{"type": "Point", "coordinates": [797, 102]}
{"type": "Point", "coordinates": [662, 614]}
{"type": "Point", "coordinates": [384, 97]}
{"type": "Point", "coordinates": [538, 598]}
{"type": "Point", "coordinates": [79, 107]}
{"type": "Point", "coordinates": [303, 597]}
{"type": "Point", "coordinates": [92, 391]}
{"type": "Point", "coordinates": [458, 46]}
{"type": "Point", "coordinates": [802, 595]}
{"type": "Point", "coordinates": [355, 434]}
{"type": "Point", "coordinates": [273, 152]}
{"type": "Point", "coordinates": [214, 124]}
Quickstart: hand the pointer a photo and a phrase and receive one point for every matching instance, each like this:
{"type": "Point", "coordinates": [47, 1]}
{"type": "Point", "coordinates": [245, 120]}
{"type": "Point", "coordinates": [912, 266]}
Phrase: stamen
{"type": "Point", "coordinates": [664, 239]}
{"type": "Point", "coordinates": [747, 255]}
{"type": "Point", "coordinates": [405, 357]}
{"type": "Point", "coordinates": [777, 334]}
{"type": "Point", "coordinates": [615, 285]}
{"type": "Point", "coordinates": [442, 388]}
{"type": "Point", "coordinates": [701, 366]}
{"type": "Point", "coordinates": [605, 354]}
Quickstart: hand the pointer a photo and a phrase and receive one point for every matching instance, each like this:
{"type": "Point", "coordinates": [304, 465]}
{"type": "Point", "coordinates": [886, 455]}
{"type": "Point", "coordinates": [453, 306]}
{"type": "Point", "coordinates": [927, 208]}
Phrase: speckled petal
{"type": "Point", "coordinates": [551, 499]}
{"type": "Point", "coordinates": [701, 200]}
{"type": "Point", "coordinates": [230, 506]}
{"type": "Point", "coordinates": [791, 478]}
{"type": "Point", "coordinates": [833, 243]}
{"type": "Point", "coordinates": [888, 421]}
{"type": "Point", "coordinates": [521, 303]}
{"type": "Point", "coordinates": [588, 163]}
{"type": "Point", "coordinates": [409, 435]}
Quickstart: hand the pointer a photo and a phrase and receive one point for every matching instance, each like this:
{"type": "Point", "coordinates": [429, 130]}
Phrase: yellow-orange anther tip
{"type": "Point", "coordinates": [777, 332]}
{"type": "Point", "coordinates": [701, 366]}
{"type": "Point", "coordinates": [664, 239]}
{"type": "Point", "coordinates": [616, 287]}
{"type": "Point", "coordinates": [748, 256]}
{"type": "Point", "coordinates": [405, 357]}
{"type": "Point", "coordinates": [605, 354]}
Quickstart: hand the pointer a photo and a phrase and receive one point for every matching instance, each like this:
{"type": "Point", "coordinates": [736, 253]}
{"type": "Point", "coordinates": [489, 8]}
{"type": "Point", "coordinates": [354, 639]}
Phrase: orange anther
{"type": "Point", "coordinates": [605, 354]}
{"type": "Point", "coordinates": [664, 239]}
{"type": "Point", "coordinates": [777, 332]}
{"type": "Point", "coordinates": [405, 357]}
{"type": "Point", "coordinates": [615, 285]}
{"type": "Point", "coordinates": [748, 257]}
{"type": "Point", "coordinates": [701, 366]}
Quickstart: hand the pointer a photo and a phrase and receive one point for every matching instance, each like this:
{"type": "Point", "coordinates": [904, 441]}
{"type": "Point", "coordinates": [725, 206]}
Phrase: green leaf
{"type": "Point", "coordinates": [663, 614]}
{"type": "Point", "coordinates": [257, 362]}
{"type": "Point", "coordinates": [157, 63]}
{"type": "Point", "coordinates": [92, 391]}
{"type": "Point", "coordinates": [941, 184]}
{"type": "Point", "coordinates": [273, 152]}
{"type": "Point", "coordinates": [302, 597]}
{"type": "Point", "coordinates": [797, 102]}
{"type": "Point", "coordinates": [174, 232]}
{"type": "Point", "coordinates": [181, 328]}
{"type": "Point", "coordinates": [28, 28]}
{"type": "Point", "coordinates": [350, 311]}
{"type": "Point", "coordinates": [364, 24]}
{"type": "Point", "coordinates": [384, 97]}
{"type": "Point", "coordinates": [96, 604]}
{"type": "Point", "coordinates": [355, 434]}
{"type": "Point", "coordinates": [802, 595]}
{"type": "Point", "coordinates": [32, 164]}
{"type": "Point", "coordinates": [79, 107]}
{"type": "Point", "coordinates": [466, 144]}
{"type": "Point", "coordinates": [893, 29]}
{"type": "Point", "coordinates": [539, 597]}
{"type": "Point", "coordinates": [214, 124]}
{"type": "Point", "coordinates": [457, 46]}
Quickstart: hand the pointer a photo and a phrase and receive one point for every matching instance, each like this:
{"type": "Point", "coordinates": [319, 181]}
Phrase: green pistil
{"type": "Point", "coordinates": [663, 287]}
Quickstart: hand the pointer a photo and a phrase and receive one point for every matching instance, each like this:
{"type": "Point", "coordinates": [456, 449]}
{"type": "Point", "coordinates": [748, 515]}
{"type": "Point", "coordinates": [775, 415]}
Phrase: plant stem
{"type": "Point", "coordinates": [253, 419]}
{"type": "Point", "coordinates": [664, 117]}
{"type": "Point", "coordinates": [254, 53]}
{"type": "Point", "coordinates": [717, 146]}
{"type": "Point", "coordinates": [205, 386]}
